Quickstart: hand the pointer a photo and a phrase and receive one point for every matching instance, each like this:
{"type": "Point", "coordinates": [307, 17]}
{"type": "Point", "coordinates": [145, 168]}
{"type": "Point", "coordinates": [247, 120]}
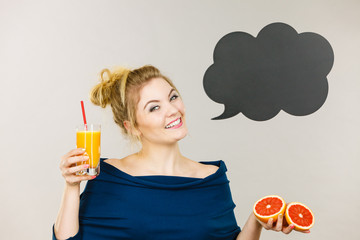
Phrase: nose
{"type": "Point", "coordinates": [171, 110]}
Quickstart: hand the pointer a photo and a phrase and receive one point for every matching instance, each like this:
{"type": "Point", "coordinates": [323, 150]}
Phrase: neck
{"type": "Point", "coordinates": [163, 159]}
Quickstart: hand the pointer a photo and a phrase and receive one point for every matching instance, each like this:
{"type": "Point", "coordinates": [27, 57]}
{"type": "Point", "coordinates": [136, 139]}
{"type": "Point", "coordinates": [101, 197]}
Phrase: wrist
{"type": "Point", "coordinates": [255, 220]}
{"type": "Point", "coordinates": [72, 187]}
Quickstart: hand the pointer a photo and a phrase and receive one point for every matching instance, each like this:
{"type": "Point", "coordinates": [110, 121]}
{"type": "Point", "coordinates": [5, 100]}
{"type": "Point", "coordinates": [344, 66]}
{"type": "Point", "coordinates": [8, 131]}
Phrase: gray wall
{"type": "Point", "coordinates": [52, 51]}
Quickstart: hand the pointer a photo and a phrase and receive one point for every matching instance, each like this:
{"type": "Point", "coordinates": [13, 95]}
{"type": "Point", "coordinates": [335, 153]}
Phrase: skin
{"type": "Point", "coordinates": [158, 106]}
{"type": "Point", "coordinates": [67, 221]}
{"type": "Point", "coordinates": [160, 155]}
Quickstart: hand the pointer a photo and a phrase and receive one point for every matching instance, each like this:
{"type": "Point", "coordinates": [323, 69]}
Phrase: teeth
{"type": "Point", "coordinates": [173, 124]}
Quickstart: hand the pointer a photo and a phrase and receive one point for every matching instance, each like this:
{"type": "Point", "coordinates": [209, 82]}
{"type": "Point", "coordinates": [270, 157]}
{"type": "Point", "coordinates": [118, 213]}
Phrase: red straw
{"type": "Point", "coordinates": [83, 112]}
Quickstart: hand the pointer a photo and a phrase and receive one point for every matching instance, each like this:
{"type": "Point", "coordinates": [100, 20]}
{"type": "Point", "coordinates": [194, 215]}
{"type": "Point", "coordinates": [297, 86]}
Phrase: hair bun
{"type": "Point", "coordinates": [112, 86]}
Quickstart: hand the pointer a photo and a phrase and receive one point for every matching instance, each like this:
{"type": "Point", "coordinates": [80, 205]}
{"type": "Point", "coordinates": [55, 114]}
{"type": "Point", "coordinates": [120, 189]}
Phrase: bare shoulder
{"type": "Point", "coordinates": [111, 160]}
{"type": "Point", "coordinates": [204, 170]}
{"type": "Point", "coordinates": [119, 163]}
{"type": "Point", "coordinates": [114, 162]}
{"type": "Point", "coordinates": [209, 168]}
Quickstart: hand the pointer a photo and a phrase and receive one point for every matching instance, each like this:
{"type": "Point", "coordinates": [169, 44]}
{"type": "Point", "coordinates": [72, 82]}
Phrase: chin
{"type": "Point", "coordinates": [182, 135]}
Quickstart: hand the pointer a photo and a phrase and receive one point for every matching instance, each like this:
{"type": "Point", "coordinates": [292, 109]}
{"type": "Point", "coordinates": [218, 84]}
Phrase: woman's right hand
{"type": "Point", "coordinates": [68, 167]}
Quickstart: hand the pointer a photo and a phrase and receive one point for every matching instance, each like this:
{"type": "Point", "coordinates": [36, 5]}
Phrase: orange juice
{"type": "Point", "coordinates": [90, 141]}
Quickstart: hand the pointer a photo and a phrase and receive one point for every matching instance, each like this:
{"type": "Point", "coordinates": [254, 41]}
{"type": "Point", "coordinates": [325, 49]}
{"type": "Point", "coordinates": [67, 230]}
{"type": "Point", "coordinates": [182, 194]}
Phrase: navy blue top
{"type": "Point", "coordinates": [116, 205]}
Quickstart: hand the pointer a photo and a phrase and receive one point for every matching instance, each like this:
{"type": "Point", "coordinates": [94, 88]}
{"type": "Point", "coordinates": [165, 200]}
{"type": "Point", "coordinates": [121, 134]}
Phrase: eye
{"type": "Point", "coordinates": [174, 97]}
{"type": "Point", "coordinates": [154, 108]}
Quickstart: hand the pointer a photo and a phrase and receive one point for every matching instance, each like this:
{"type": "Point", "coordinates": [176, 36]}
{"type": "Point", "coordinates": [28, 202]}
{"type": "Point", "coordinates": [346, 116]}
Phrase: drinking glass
{"type": "Point", "coordinates": [88, 137]}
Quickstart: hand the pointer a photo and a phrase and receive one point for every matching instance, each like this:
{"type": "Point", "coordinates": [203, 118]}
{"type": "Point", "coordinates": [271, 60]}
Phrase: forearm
{"type": "Point", "coordinates": [251, 230]}
{"type": "Point", "coordinates": [67, 221]}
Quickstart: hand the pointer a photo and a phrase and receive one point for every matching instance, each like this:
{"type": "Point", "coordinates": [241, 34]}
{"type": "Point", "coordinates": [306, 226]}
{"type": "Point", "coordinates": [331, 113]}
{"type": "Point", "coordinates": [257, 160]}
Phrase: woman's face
{"type": "Point", "coordinates": [160, 113]}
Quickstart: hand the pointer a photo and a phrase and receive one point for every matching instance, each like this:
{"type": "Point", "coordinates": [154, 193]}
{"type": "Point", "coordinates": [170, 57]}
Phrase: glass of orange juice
{"type": "Point", "coordinates": [88, 138]}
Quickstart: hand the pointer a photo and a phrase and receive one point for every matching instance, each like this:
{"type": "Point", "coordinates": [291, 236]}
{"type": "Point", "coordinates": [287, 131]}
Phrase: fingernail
{"type": "Point", "coordinates": [292, 226]}
{"type": "Point", "coordinates": [93, 177]}
{"type": "Point", "coordinates": [307, 231]}
{"type": "Point", "coordinates": [86, 165]}
{"type": "Point", "coordinates": [83, 149]}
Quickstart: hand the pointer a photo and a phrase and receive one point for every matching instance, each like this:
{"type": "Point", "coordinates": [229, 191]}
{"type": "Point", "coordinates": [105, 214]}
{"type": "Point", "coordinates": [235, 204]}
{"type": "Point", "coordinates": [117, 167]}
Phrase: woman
{"type": "Point", "coordinates": [156, 193]}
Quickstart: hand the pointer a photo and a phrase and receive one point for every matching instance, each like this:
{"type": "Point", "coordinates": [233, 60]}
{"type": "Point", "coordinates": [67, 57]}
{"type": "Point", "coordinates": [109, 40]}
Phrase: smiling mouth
{"type": "Point", "coordinates": [174, 124]}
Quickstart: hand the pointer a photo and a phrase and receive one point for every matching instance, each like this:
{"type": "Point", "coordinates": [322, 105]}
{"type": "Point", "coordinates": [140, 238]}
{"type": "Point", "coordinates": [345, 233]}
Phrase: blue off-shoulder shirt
{"type": "Point", "coordinates": [116, 205]}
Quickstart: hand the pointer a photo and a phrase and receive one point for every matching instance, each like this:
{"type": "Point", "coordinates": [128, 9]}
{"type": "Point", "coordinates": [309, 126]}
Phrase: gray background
{"type": "Point", "coordinates": [52, 51]}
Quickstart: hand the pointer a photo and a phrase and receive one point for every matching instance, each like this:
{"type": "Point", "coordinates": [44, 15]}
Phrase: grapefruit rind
{"type": "Point", "coordinates": [265, 218]}
{"type": "Point", "coordinates": [297, 226]}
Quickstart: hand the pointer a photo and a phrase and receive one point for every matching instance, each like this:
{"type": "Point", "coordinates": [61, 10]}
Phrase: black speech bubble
{"type": "Point", "coordinates": [278, 70]}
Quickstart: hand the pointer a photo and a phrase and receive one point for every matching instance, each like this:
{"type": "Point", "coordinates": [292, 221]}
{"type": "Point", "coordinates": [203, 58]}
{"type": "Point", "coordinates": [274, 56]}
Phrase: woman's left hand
{"type": "Point", "coordinates": [280, 225]}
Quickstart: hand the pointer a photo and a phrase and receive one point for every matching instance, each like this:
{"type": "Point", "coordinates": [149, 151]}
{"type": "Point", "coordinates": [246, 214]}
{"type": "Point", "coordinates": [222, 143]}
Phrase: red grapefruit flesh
{"type": "Point", "coordinates": [269, 207]}
{"type": "Point", "coordinates": [300, 215]}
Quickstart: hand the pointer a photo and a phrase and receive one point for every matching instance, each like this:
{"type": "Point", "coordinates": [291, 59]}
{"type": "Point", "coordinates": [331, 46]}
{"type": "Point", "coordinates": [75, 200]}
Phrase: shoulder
{"type": "Point", "coordinates": [113, 161]}
{"type": "Point", "coordinates": [209, 168]}
{"type": "Point", "coordinates": [129, 165]}
{"type": "Point", "coordinates": [121, 164]}
{"type": "Point", "coordinates": [203, 170]}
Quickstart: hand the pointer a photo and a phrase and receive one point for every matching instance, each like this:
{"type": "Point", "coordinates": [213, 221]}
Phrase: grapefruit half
{"type": "Point", "coordinates": [269, 207]}
{"type": "Point", "coordinates": [300, 215]}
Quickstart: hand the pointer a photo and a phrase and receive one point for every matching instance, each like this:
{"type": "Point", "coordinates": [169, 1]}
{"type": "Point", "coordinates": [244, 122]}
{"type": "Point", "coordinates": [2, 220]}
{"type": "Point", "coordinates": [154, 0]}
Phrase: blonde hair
{"type": "Point", "coordinates": [121, 89]}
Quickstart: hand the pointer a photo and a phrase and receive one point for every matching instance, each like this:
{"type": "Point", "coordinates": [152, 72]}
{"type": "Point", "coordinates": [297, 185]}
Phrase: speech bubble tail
{"type": "Point", "coordinates": [228, 113]}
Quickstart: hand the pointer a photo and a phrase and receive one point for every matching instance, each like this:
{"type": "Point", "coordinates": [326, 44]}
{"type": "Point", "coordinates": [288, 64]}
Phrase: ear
{"type": "Point", "coordinates": [131, 129]}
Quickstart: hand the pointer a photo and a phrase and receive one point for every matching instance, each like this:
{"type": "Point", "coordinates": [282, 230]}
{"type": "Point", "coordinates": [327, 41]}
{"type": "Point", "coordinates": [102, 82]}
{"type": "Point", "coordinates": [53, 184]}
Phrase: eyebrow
{"type": "Point", "coordinates": [158, 100]}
